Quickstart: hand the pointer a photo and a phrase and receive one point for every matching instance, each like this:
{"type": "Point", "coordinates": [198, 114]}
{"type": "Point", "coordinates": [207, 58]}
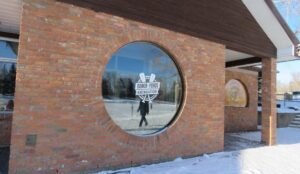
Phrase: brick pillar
{"type": "Point", "coordinates": [269, 112]}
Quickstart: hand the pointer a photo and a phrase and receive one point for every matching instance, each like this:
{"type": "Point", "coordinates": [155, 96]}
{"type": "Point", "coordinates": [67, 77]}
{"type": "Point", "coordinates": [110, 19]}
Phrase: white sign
{"type": "Point", "coordinates": [147, 88]}
{"type": "Point", "coordinates": [298, 50]}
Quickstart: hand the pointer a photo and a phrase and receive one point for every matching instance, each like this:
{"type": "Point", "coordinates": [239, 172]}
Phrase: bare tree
{"type": "Point", "coordinates": [281, 87]}
{"type": "Point", "coordinates": [295, 83]}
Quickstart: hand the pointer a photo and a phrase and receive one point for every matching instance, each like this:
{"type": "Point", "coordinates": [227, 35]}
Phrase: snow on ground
{"type": "Point", "coordinates": [287, 106]}
{"type": "Point", "coordinates": [283, 158]}
{"type": "Point", "coordinates": [284, 136]}
{"type": "Point", "coordinates": [283, 110]}
{"type": "Point", "coordinates": [289, 103]}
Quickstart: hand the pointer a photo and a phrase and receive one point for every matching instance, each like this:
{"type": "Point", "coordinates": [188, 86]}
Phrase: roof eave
{"type": "Point", "coordinates": [270, 20]}
{"type": "Point", "coordinates": [285, 26]}
{"type": "Point", "coordinates": [282, 22]}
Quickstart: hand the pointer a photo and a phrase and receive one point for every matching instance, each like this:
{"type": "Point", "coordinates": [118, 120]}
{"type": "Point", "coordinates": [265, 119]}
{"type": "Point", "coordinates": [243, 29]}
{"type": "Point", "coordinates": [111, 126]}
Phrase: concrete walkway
{"type": "Point", "coordinates": [233, 143]}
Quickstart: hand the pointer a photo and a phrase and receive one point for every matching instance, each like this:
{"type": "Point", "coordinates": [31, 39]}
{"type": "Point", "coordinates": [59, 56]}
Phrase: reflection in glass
{"type": "Point", "coordinates": [7, 86]}
{"type": "Point", "coordinates": [142, 88]}
{"type": "Point", "coordinates": [8, 49]}
{"type": "Point", "coordinates": [8, 56]}
{"type": "Point", "coordinates": [236, 95]}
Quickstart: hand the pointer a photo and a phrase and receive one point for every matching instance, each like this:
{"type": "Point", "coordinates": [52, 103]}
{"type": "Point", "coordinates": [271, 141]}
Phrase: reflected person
{"type": "Point", "coordinates": [144, 109]}
{"type": "Point", "coordinates": [10, 105]}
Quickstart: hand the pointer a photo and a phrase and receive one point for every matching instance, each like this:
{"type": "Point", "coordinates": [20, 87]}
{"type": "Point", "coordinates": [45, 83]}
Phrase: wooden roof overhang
{"type": "Point", "coordinates": [10, 13]}
{"type": "Point", "coordinates": [275, 27]}
{"type": "Point", "coordinates": [243, 26]}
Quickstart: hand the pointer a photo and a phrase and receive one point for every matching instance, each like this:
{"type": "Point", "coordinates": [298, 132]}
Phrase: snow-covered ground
{"type": "Point", "coordinates": [283, 158]}
{"type": "Point", "coordinates": [292, 106]}
{"type": "Point", "coordinates": [287, 106]}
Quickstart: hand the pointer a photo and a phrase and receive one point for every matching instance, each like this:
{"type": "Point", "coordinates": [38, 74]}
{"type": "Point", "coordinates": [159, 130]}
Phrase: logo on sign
{"type": "Point", "coordinates": [147, 87]}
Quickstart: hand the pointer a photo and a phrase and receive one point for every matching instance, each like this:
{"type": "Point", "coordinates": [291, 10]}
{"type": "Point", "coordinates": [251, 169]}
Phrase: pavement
{"type": "Point", "coordinates": [234, 143]}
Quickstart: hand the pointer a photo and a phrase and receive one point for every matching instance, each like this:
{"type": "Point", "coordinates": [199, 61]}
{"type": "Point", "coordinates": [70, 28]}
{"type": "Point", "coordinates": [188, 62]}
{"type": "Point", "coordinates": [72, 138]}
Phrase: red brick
{"type": "Point", "coordinates": [243, 118]}
{"type": "Point", "coordinates": [62, 57]}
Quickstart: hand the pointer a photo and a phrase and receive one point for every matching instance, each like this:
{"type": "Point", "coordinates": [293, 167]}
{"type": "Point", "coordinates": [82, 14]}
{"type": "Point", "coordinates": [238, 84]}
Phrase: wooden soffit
{"type": "Point", "coordinates": [223, 21]}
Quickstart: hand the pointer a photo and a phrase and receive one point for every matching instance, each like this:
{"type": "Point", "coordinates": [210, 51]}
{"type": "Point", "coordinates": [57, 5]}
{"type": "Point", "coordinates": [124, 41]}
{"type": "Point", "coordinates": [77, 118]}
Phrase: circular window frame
{"type": "Point", "coordinates": [246, 93]}
{"type": "Point", "coordinates": [179, 110]}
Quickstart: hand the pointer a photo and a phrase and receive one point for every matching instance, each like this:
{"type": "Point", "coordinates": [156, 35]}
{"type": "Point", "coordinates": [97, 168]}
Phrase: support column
{"type": "Point", "coordinates": [269, 110]}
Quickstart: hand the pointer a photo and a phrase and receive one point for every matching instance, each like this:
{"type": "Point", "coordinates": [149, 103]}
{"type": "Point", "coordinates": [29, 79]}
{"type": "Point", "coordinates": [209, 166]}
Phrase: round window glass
{"type": "Point", "coordinates": [142, 88]}
{"type": "Point", "coordinates": [236, 95]}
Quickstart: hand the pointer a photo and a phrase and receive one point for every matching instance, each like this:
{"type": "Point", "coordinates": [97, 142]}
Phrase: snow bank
{"type": "Point", "coordinates": [281, 159]}
{"type": "Point", "coordinates": [284, 136]}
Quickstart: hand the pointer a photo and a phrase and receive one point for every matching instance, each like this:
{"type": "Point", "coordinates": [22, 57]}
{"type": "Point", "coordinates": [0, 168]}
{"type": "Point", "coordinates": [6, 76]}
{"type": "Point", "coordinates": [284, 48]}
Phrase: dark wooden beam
{"type": "Point", "coordinates": [241, 62]}
{"type": "Point", "coordinates": [9, 35]}
{"type": "Point", "coordinates": [252, 68]}
{"type": "Point", "coordinates": [255, 69]}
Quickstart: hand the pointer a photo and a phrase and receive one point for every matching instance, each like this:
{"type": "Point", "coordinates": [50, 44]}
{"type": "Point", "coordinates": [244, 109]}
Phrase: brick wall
{"type": "Point", "coordinates": [62, 54]}
{"type": "Point", "coordinates": [5, 129]}
{"type": "Point", "coordinates": [243, 118]}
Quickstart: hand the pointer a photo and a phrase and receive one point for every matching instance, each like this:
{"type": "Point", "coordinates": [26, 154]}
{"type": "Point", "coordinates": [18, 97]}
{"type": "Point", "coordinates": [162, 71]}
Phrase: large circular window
{"type": "Point", "coordinates": [142, 88]}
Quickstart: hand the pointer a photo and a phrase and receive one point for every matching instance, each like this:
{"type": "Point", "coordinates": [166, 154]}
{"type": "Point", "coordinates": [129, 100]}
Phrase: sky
{"type": "Point", "coordinates": [6, 51]}
{"type": "Point", "coordinates": [287, 69]}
